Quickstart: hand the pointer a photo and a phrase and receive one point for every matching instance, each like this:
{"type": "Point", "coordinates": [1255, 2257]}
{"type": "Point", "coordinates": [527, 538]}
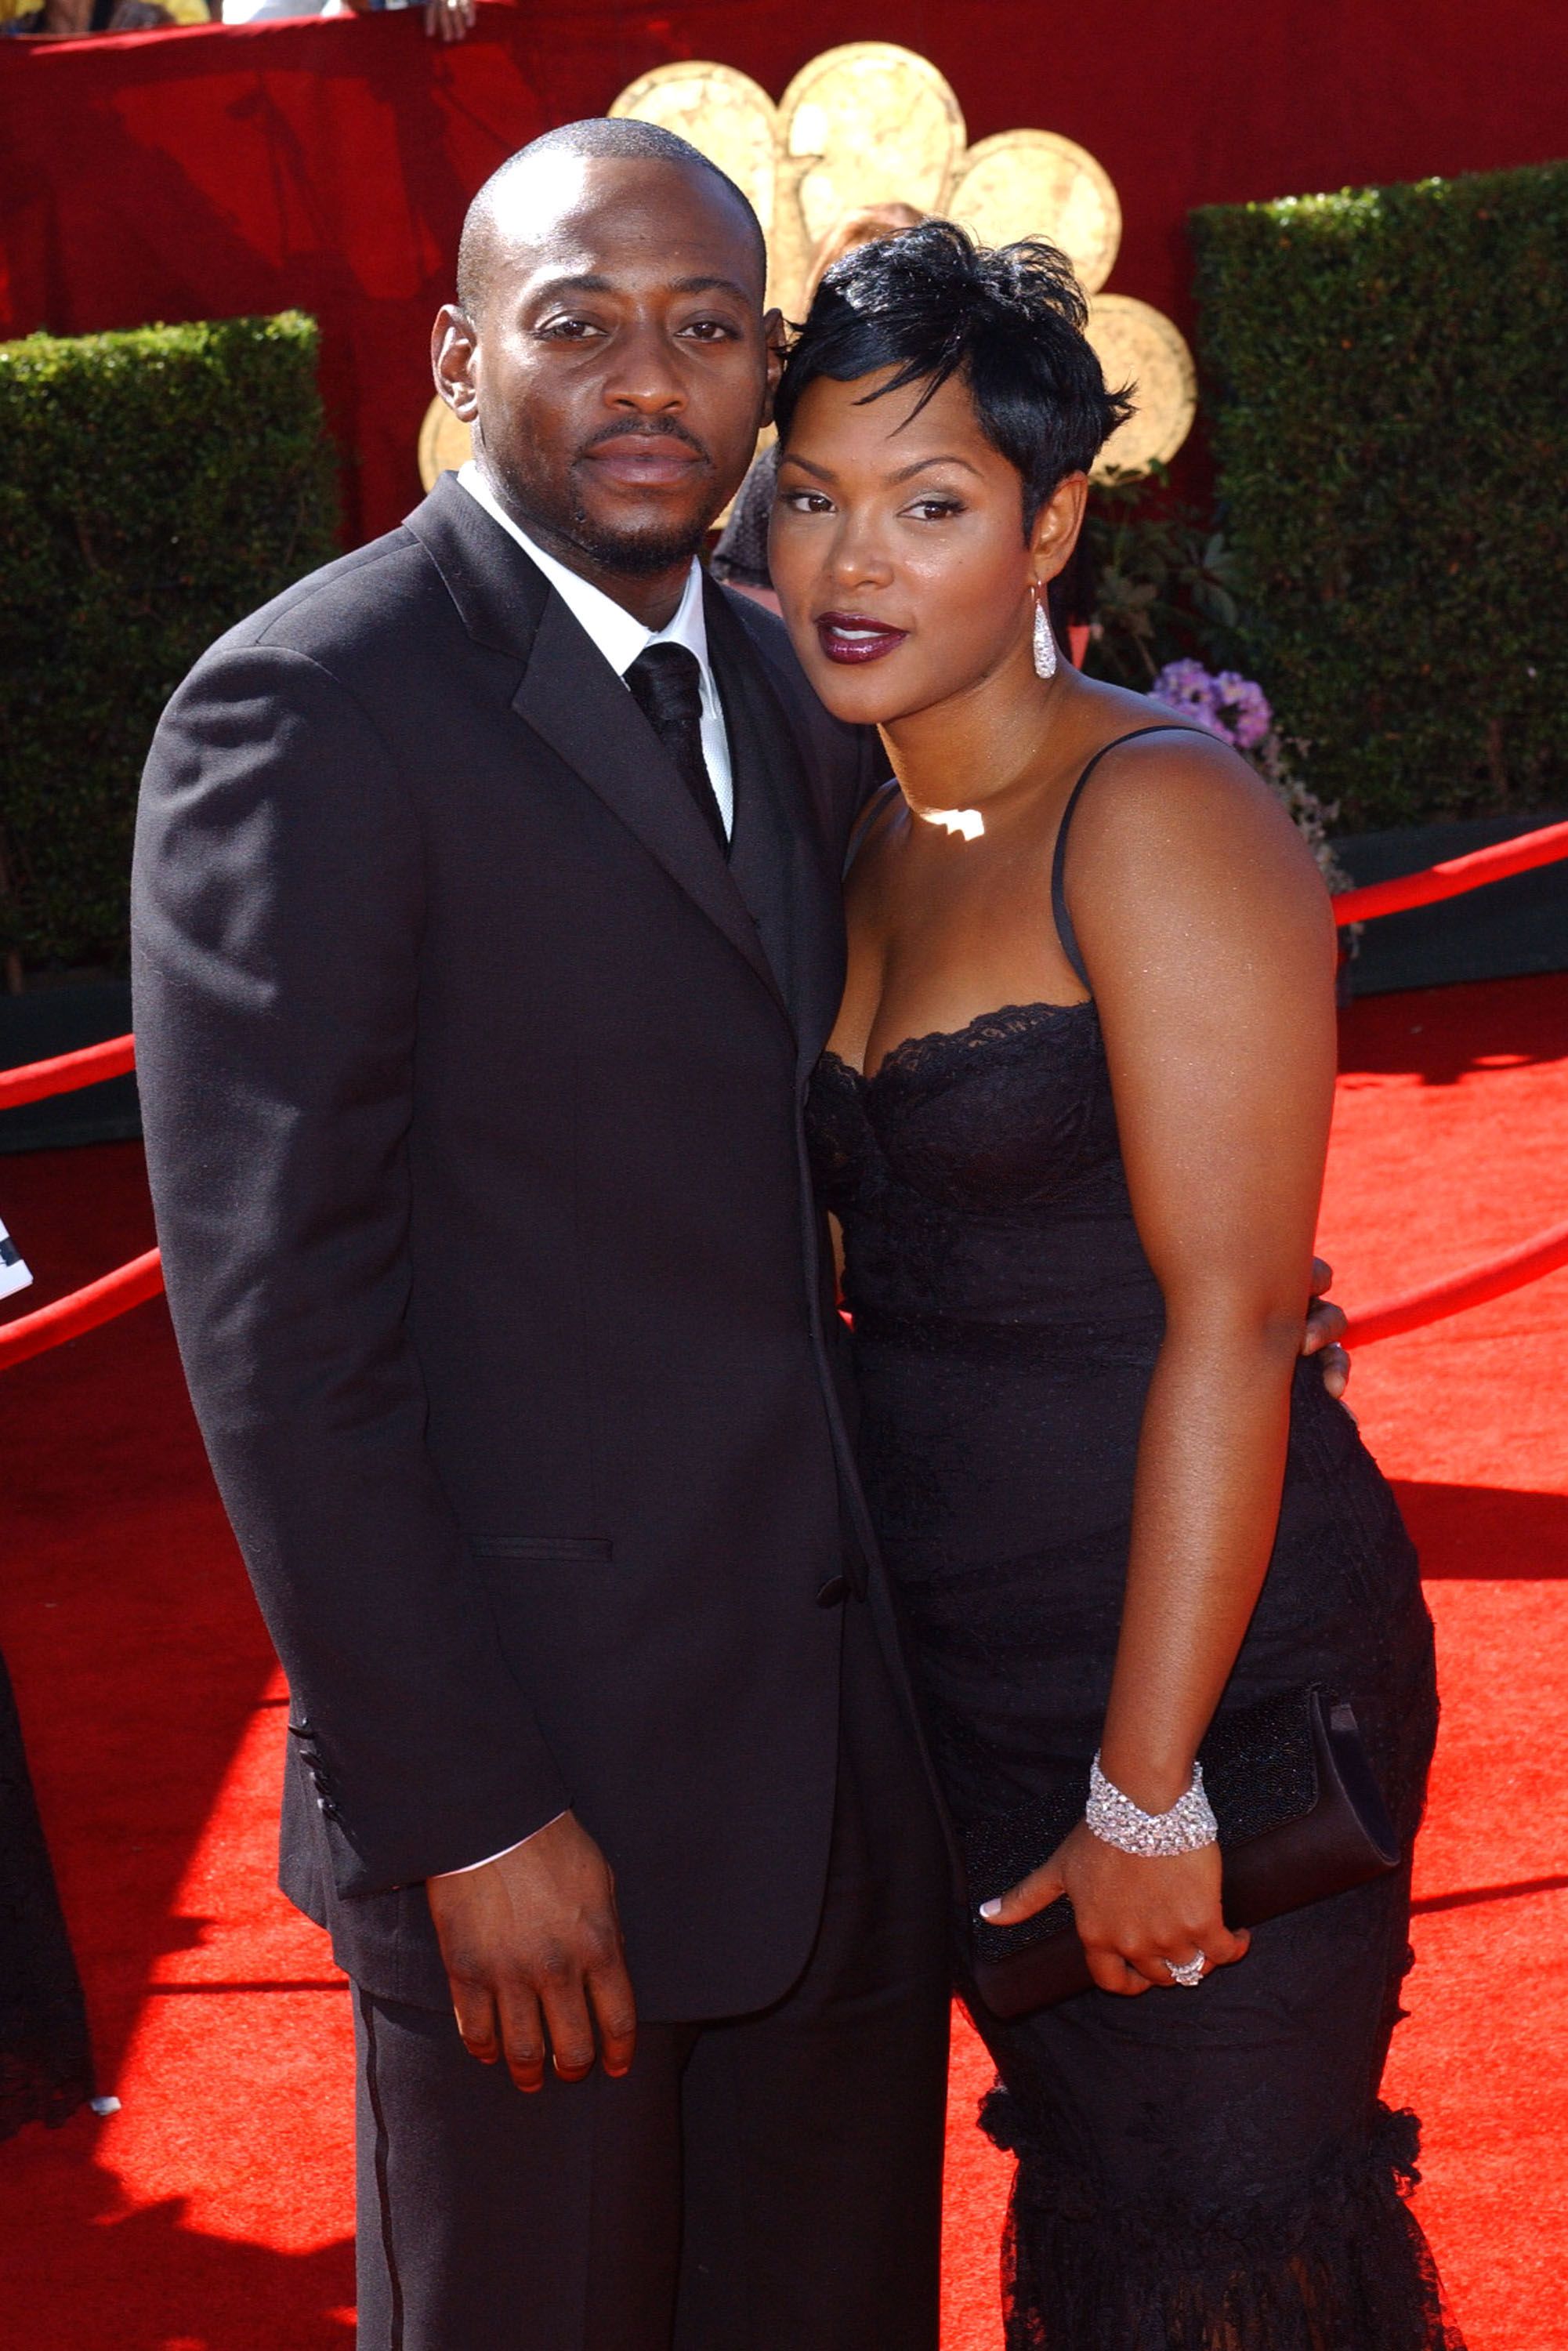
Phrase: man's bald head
{"type": "Point", "coordinates": [498, 213]}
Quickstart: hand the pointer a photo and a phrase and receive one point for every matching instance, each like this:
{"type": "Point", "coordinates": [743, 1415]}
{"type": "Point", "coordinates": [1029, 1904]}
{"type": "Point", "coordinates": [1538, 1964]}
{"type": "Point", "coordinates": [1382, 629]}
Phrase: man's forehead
{"type": "Point", "coordinates": [609, 215]}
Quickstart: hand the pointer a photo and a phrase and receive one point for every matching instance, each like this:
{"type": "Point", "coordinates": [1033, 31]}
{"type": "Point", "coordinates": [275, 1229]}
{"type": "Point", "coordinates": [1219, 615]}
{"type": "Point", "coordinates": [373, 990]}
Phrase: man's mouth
{"type": "Point", "coordinates": [644, 460]}
{"type": "Point", "coordinates": [853, 637]}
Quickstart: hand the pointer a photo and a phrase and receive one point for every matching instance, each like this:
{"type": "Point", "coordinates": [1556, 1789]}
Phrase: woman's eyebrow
{"type": "Point", "coordinates": [907, 473]}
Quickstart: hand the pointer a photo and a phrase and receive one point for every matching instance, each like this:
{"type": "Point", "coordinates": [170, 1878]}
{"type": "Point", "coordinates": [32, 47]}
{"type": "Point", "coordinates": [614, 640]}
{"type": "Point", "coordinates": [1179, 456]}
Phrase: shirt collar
{"type": "Point", "coordinates": [618, 634]}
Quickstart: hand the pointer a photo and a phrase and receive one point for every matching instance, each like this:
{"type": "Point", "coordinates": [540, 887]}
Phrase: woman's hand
{"type": "Point", "coordinates": [1132, 1915]}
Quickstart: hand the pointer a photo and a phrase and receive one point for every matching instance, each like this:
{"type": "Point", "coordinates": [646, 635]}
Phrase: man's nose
{"type": "Point", "coordinates": [643, 373]}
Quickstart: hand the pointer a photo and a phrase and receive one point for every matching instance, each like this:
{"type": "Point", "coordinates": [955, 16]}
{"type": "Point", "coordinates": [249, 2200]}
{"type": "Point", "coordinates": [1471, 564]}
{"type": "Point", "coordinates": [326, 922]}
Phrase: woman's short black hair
{"type": "Point", "coordinates": [931, 303]}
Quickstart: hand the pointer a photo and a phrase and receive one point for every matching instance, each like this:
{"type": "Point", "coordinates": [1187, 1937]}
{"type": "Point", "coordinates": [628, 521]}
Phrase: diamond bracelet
{"type": "Point", "coordinates": [1116, 1820]}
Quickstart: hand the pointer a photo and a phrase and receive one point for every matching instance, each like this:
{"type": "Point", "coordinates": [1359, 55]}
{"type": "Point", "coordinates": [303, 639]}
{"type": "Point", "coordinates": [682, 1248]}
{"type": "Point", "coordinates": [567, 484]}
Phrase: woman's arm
{"type": "Point", "coordinates": [1211, 949]}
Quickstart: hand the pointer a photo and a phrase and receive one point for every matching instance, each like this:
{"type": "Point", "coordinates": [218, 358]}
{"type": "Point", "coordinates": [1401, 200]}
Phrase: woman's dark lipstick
{"type": "Point", "coordinates": [854, 637]}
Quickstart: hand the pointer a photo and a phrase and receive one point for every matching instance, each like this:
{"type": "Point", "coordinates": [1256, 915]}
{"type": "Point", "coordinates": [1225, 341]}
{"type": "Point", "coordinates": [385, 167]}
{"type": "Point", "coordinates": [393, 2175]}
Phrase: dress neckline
{"type": "Point", "coordinates": [909, 1048]}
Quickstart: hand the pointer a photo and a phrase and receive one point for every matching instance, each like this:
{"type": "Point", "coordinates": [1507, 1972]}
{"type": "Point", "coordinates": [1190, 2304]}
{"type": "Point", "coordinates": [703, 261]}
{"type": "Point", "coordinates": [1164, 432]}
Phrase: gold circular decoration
{"type": "Point", "coordinates": [1138, 345]}
{"type": "Point", "coordinates": [870, 123]}
{"type": "Point", "coordinates": [444, 443]}
{"type": "Point", "coordinates": [1037, 183]}
{"type": "Point", "coordinates": [867, 123]}
{"type": "Point", "coordinates": [726, 115]}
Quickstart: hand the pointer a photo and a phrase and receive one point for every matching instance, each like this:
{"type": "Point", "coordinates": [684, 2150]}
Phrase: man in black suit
{"type": "Point", "coordinates": [487, 932]}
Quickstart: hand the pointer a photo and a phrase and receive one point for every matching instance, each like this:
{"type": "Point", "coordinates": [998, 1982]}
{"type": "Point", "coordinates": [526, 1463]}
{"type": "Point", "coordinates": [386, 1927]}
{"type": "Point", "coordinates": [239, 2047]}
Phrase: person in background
{"type": "Point", "coordinates": [46, 2052]}
{"type": "Point", "coordinates": [46, 2049]}
{"type": "Point", "coordinates": [75, 20]}
{"type": "Point", "coordinates": [445, 20]}
{"type": "Point", "coordinates": [739, 557]}
{"type": "Point", "coordinates": [72, 20]}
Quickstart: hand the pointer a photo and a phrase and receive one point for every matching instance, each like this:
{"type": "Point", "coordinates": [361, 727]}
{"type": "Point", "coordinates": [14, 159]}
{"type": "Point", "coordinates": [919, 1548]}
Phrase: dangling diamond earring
{"type": "Point", "coordinates": [1044, 640]}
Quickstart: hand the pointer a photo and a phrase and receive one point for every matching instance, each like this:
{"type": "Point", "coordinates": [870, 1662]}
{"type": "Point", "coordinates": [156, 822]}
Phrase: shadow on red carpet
{"type": "Point", "coordinates": [1486, 1534]}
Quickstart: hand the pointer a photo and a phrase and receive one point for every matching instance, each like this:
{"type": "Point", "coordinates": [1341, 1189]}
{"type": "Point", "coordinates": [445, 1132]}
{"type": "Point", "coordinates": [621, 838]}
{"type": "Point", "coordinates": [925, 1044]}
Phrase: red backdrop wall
{"type": "Point", "coordinates": [326, 165]}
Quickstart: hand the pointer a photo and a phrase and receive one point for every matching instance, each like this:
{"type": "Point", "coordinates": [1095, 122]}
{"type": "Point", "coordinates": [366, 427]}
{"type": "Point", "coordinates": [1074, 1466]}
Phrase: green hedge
{"type": "Point", "coordinates": [1386, 374]}
{"type": "Point", "coordinates": [156, 486]}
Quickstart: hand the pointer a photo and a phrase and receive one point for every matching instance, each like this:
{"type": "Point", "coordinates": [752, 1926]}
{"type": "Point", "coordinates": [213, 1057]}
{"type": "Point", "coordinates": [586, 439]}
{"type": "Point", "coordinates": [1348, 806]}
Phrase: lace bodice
{"type": "Point", "coordinates": [979, 1178]}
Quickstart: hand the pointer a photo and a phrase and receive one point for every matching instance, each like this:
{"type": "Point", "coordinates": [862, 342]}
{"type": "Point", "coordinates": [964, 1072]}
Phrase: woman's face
{"type": "Point", "coordinates": [898, 549]}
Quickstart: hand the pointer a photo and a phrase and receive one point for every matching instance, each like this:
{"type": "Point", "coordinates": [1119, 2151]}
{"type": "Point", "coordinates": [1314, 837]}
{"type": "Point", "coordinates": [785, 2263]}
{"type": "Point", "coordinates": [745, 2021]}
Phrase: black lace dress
{"type": "Point", "coordinates": [1198, 2171]}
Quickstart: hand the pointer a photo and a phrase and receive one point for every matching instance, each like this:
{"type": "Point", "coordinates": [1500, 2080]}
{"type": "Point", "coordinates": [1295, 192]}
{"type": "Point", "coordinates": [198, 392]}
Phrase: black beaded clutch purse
{"type": "Point", "coordinates": [1301, 1817]}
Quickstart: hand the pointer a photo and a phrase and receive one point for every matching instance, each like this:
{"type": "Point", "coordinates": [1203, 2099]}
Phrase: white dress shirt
{"type": "Point", "coordinates": [621, 637]}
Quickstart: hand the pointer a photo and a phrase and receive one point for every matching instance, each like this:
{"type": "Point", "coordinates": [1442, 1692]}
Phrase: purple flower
{"type": "Point", "coordinates": [1187, 687]}
{"type": "Point", "coordinates": [1245, 706]}
{"type": "Point", "coordinates": [1232, 706]}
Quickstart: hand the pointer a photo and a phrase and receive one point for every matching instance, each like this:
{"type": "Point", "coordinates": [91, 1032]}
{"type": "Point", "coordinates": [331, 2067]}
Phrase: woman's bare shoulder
{"type": "Point", "coordinates": [1185, 873]}
{"type": "Point", "coordinates": [1188, 805]}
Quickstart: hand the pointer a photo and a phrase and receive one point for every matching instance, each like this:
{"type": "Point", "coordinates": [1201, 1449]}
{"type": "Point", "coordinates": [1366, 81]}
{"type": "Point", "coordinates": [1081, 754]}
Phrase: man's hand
{"type": "Point", "coordinates": [532, 1949]}
{"type": "Point", "coordinates": [1325, 1328]}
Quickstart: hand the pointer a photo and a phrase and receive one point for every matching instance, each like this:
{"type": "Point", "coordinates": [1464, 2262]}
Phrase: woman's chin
{"type": "Point", "coordinates": [854, 692]}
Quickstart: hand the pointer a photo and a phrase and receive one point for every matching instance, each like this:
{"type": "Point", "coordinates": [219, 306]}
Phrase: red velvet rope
{"type": "Point", "coordinates": [115, 1058]}
{"type": "Point", "coordinates": [66, 1071]}
{"type": "Point", "coordinates": [1526, 851]}
{"type": "Point", "coordinates": [132, 1285]}
{"type": "Point", "coordinates": [50, 1326]}
{"type": "Point", "coordinates": [1529, 1262]}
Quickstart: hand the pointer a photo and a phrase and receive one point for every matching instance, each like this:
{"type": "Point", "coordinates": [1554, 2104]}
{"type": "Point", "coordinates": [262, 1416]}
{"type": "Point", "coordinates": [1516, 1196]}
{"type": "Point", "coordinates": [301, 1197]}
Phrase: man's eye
{"type": "Point", "coordinates": [566, 330]}
{"type": "Point", "coordinates": [709, 331]}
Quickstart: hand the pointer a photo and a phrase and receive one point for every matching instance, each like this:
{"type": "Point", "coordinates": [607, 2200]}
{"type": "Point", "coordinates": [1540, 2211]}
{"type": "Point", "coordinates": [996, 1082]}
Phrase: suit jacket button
{"type": "Point", "coordinates": [831, 1594]}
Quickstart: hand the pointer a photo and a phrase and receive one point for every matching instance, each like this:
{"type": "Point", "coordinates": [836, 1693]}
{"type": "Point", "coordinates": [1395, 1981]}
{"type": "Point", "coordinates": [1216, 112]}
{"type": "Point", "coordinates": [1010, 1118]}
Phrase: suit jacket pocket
{"type": "Point", "coordinates": [587, 1549]}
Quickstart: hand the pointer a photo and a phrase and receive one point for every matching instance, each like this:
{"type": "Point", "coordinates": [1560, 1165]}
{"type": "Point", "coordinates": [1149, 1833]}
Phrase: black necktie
{"type": "Point", "coordinates": [667, 684]}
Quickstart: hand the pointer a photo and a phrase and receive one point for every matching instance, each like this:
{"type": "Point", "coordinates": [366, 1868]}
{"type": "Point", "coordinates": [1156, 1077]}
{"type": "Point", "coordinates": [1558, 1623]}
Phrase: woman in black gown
{"type": "Point", "coordinates": [1072, 1124]}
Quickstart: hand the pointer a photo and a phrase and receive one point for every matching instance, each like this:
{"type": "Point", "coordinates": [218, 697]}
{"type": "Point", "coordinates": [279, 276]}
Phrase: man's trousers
{"type": "Point", "coordinates": [762, 2183]}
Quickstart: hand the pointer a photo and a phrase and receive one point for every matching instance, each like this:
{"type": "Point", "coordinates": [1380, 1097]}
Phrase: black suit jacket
{"type": "Point", "coordinates": [472, 1078]}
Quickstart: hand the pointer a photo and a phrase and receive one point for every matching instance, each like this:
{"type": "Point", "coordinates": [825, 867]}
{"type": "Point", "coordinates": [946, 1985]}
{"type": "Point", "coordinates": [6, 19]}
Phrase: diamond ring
{"type": "Point", "coordinates": [1189, 1972]}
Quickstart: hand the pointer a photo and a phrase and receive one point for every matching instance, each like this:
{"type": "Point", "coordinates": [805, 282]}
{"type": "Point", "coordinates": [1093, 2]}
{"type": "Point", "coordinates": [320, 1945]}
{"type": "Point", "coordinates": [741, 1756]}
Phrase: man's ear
{"type": "Point", "coordinates": [775, 342]}
{"type": "Point", "coordinates": [455, 361]}
{"type": "Point", "coordinates": [1057, 526]}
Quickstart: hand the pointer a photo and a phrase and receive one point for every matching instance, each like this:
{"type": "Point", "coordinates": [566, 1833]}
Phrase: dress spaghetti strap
{"type": "Point", "coordinates": [1063, 920]}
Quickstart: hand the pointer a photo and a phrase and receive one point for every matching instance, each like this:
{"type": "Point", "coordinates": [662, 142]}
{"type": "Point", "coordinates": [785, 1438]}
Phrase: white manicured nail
{"type": "Point", "coordinates": [990, 1910]}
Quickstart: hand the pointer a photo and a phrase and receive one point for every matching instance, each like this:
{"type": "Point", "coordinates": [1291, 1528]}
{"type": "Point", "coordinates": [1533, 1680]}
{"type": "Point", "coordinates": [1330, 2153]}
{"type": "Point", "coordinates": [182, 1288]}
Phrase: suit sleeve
{"type": "Point", "coordinates": [277, 913]}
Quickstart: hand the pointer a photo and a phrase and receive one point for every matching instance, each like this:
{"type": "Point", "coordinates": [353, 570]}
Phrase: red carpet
{"type": "Point", "coordinates": [214, 2212]}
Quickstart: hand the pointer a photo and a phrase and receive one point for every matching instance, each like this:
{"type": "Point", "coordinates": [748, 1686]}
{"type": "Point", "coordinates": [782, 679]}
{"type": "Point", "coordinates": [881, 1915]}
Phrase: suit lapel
{"type": "Point", "coordinates": [571, 698]}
